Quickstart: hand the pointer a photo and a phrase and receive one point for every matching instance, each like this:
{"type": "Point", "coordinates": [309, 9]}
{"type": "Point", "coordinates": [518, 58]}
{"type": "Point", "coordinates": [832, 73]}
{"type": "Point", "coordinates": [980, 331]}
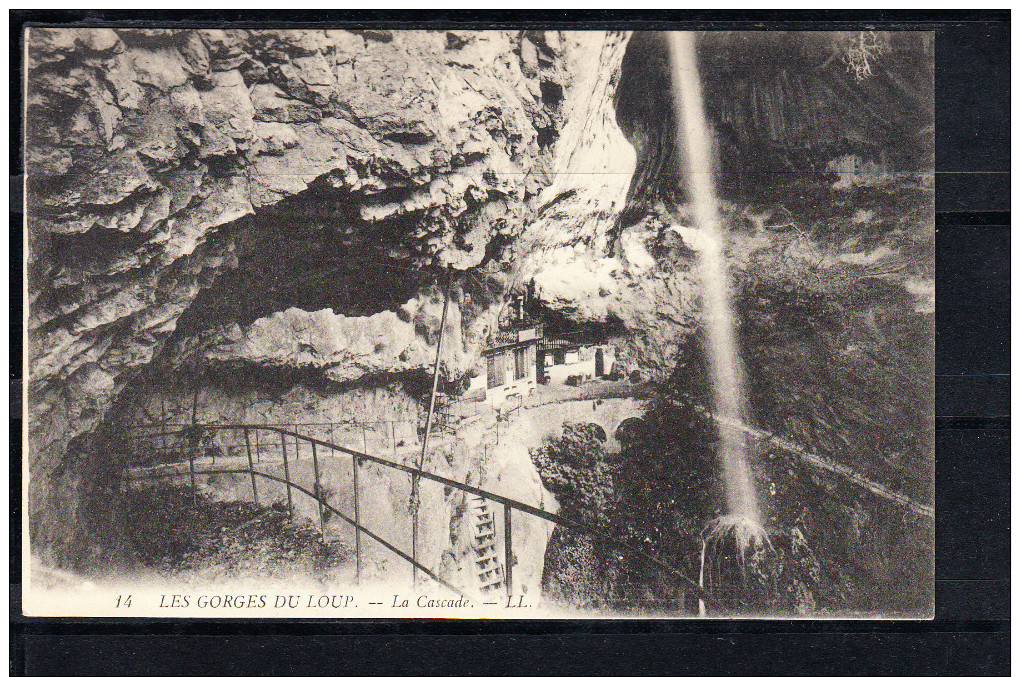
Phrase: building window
{"type": "Point", "coordinates": [520, 363]}
{"type": "Point", "coordinates": [495, 374]}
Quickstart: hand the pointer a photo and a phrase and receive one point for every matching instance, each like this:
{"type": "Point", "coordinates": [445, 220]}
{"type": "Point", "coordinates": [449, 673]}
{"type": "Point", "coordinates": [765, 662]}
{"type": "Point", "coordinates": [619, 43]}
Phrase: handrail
{"type": "Point", "coordinates": [338, 424]}
{"type": "Point", "coordinates": [322, 502]}
{"type": "Point", "coordinates": [505, 501]}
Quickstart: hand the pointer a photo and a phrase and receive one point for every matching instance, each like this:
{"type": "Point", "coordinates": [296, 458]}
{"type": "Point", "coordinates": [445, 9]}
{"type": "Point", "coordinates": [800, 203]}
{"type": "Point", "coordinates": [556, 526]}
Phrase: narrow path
{"type": "Point", "coordinates": [844, 471]}
{"type": "Point", "coordinates": [508, 504]}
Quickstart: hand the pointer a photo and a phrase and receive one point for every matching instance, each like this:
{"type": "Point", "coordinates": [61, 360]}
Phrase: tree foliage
{"type": "Point", "coordinates": [655, 496]}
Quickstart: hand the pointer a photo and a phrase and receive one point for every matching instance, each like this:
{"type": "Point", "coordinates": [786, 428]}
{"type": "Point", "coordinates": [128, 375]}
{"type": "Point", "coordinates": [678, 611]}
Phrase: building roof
{"type": "Point", "coordinates": [507, 337]}
{"type": "Point", "coordinates": [554, 343]}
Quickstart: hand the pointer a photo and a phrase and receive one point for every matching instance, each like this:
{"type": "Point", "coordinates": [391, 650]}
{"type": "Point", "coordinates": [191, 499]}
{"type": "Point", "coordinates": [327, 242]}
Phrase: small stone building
{"type": "Point", "coordinates": [508, 367]}
{"type": "Point", "coordinates": [565, 362]}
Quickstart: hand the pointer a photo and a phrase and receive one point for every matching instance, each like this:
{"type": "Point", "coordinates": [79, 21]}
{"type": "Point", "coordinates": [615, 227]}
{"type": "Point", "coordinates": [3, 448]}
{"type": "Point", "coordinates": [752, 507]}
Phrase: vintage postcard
{"type": "Point", "coordinates": [478, 324]}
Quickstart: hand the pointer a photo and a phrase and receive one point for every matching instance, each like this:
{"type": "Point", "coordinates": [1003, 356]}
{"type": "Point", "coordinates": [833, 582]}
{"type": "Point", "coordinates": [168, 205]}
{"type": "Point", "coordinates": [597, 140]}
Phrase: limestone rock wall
{"type": "Point", "coordinates": [153, 155]}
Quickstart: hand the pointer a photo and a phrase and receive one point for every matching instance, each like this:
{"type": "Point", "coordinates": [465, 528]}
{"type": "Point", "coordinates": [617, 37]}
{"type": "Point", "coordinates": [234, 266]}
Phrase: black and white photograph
{"type": "Point", "coordinates": [516, 324]}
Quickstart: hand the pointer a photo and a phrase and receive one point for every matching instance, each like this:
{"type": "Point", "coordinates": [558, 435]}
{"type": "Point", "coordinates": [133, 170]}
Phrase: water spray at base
{"type": "Point", "coordinates": [736, 539]}
{"type": "Point", "coordinates": [738, 564]}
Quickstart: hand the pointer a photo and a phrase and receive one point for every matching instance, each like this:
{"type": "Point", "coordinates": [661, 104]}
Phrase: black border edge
{"type": "Point", "coordinates": [974, 646]}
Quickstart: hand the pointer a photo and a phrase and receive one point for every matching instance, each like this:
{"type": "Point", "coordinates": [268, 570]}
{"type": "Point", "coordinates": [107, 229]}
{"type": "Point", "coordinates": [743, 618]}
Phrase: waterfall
{"type": "Point", "coordinates": [726, 374]}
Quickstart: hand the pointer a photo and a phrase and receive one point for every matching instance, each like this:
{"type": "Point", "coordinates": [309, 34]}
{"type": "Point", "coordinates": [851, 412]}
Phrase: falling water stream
{"type": "Point", "coordinates": [735, 549]}
{"type": "Point", "coordinates": [694, 139]}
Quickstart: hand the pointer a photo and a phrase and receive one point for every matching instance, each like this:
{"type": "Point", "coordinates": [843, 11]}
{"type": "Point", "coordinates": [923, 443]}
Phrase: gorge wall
{"type": "Point", "coordinates": [194, 191]}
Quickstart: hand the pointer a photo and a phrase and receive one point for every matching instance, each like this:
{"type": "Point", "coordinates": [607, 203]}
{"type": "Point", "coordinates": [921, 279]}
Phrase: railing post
{"type": "Point", "coordinates": [318, 490]}
{"type": "Point", "coordinates": [258, 451]}
{"type": "Point", "coordinates": [357, 525]}
{"type": "Point", "coordinates": [297, 445]}
{"type": "Point", "coordinates": [162, 421]}
{"type": "Point", "coordinates": [251, 466]}
{"type": "Point", "coordinates": [508, 549]}
{"type": "Point", "coordinates": [357, 511]}
{"type": "Point", "coordinates": [485, 464]}
{"type": "Point", "coordinates": [286, 475]}
{"type": "Point", "coordinates": [414, 530]}
{"type": "Point", "coordinates": [191, 471]}
{"type": "Point", "coordinates": [393, 437]}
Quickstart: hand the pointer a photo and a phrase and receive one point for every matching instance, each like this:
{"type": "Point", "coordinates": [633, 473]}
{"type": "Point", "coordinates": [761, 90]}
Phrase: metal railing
{"type": "Point", "coordinates": [188, 441]}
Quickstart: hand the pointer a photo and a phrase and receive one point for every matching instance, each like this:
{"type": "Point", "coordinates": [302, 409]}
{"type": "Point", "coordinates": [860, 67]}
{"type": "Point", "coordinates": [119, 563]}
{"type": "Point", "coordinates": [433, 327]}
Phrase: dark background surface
{"type": "Point", "coordinates": [970, 634]}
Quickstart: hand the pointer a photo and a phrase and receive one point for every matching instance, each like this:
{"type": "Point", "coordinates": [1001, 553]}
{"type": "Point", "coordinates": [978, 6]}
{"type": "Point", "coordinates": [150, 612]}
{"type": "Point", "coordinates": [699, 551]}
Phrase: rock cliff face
{"type": "Point", "coordinates": [165, 163]}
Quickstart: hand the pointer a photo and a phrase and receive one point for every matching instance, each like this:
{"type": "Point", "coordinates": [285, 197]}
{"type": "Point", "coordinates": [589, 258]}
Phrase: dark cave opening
{"type": "Point", "coordinates": [310, 252]}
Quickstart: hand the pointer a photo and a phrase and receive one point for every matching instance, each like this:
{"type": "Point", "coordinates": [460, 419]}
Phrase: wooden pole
{"type": "Point", "coordinates": [251, 467]}
{"type": "Point", "coordinates": [415, 499]}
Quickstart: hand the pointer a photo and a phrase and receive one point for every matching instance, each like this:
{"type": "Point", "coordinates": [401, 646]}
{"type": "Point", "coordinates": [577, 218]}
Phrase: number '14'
{"type": "Point", "coordinates": [126, 601]}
